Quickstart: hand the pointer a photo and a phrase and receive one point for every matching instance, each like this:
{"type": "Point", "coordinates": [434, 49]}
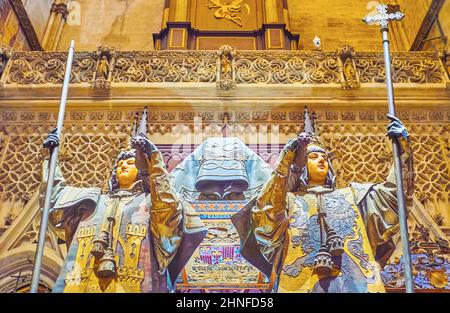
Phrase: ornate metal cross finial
{"type": "Point", "coordinates": [386, 13]}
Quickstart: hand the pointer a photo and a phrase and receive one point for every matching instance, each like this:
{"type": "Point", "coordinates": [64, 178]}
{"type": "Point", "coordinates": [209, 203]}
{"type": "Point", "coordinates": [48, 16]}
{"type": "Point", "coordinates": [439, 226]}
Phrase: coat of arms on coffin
{"type": "Point", "coordinates": [218, 178]}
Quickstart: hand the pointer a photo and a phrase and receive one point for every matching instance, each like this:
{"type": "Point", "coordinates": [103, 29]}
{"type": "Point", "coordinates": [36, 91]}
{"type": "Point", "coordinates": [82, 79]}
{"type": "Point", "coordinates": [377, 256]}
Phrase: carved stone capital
{"type": "Point", "coordinates": [5, 53]}
{"type": "Point", "coordinates": [106, 50]}
{"type": "Point", "coordinates": [226, 49]}
{"type": "Point", "coordinates": [60, 8]}
{"type": "Point", "coordinates": [345, 52]}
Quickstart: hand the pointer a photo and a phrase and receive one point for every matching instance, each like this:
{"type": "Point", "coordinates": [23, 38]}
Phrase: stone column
{"type": "Point", "coordinates": [53, 30]}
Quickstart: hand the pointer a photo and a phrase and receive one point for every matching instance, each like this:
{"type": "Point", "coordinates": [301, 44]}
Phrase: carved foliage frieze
{"type": "Point", "coordinates": [286, 67]}
{"type": "Point", "coordinates": [407, 67]}
{"type": "Point", "coordinates": [49, 68]}
{"type": "Point", "coordinates": [167, 66]}
{"type": "Point", "coordinates": [106, 66]}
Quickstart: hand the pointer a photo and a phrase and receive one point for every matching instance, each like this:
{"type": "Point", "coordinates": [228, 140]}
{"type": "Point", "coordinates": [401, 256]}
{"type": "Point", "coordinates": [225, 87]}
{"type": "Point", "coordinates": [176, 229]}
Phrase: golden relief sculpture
{"type": "Point", "coordinates": [228, 9]}
{"type": "Point", "coordinates": [103, 68]}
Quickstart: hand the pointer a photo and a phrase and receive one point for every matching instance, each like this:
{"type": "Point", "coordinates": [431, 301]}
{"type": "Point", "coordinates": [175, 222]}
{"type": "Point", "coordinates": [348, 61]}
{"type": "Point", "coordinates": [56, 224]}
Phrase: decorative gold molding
{"type": "Point", "coordinates": [24, 117]}
{"type": "Point", "coordinates": [60, 8]}
{"type": "Point", "coordinates": [197, 41]}
{"type": "Point", "coordinates": [269, 39]}
{"type": "Point", "coordinates": [183, 39]}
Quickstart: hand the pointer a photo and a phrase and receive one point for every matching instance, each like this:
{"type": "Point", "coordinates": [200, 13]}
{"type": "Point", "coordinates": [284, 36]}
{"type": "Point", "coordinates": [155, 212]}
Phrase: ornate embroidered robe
{"type": "Point", "coordinates": [153, 236]}
{"type": "Point", "coordinates": [280, 233]}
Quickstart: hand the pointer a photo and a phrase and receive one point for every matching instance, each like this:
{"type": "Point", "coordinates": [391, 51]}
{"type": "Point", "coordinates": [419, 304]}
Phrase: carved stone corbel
{"type": "Point", "coordinates": [349, 74]}
{"type": "Point", "coordinates": [5, 55]}
{"type": "Point", "coordinates": [226, 74]}
{"type": "Point", "coordinates": [104, 68]}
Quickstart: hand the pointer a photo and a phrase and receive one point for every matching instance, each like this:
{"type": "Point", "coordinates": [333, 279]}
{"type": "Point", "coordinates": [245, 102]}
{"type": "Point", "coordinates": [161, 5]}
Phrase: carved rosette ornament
{"type": "Point", "coordinates": [105, 65]}
{"type": "Point", "coordinates": [226, 76]}
{"type": "Point", "coordinates": [349, 74]}
{"type": "Point", "coordinates": [5, 55]}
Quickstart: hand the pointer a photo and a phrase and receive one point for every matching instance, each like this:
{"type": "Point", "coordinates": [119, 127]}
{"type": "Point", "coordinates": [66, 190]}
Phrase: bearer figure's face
{"type": "Point", "coordinates": [317, 168]}
{"type": "Point", "coordinates": [126, 172]}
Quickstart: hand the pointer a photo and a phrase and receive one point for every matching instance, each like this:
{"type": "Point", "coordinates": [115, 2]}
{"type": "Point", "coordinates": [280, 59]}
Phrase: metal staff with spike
{"type": "Point", "coordinates": [51, 175]}
{"type": "Point", "coordinates": [304, 139]}
{"type": "Point", "coordinates": [387, 13]}
{"type": "Point", "coordinates": [142, 131]}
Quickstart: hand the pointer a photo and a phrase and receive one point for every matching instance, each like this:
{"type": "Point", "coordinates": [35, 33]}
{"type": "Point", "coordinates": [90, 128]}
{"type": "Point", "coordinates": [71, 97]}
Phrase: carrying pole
{"type": "Point", "coordinates": [51, 177]}
{"type": "Point", "coordinates": [385, 14]}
